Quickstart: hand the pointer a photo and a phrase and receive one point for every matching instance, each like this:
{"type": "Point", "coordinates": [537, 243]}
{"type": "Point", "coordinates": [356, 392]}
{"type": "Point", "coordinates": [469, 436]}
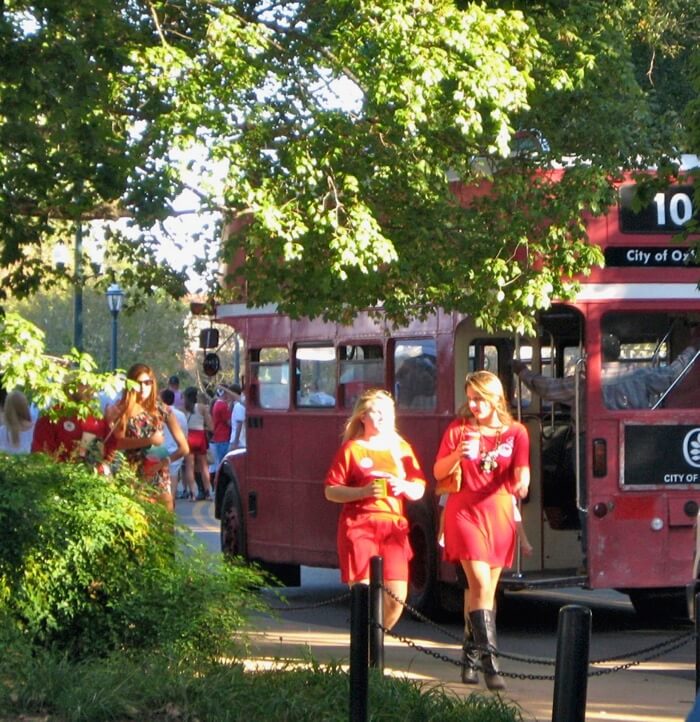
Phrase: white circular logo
{"type": "Point", "coordinates": [691, 448]}
{"type": "Point", "coordinates": [69, 426]}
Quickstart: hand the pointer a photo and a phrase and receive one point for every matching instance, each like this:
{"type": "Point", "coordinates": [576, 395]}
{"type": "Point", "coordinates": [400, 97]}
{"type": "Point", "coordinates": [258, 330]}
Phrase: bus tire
{"type": "Point", "coordinates": [233, 542]}
{"type": "Point", "coordinates": [659, 605]}
{"type": "Point", "coordinates": [422, 573]}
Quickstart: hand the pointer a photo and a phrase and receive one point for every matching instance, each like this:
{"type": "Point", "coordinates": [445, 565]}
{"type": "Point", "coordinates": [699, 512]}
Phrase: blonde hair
{"type": "Point", "coordinates": [16, 411]}
{"type": "Point", "coordinates": [354, 427]}
{"type": "Point", "coordinates": [489, 387]}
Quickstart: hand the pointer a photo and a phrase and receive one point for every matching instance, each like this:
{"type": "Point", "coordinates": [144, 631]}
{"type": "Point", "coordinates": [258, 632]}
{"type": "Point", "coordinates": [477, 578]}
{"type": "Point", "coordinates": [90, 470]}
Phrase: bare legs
{"type": "Point", "coordinates": [198, 462]}
{"type": "Point", "coordinates": [392, 607]}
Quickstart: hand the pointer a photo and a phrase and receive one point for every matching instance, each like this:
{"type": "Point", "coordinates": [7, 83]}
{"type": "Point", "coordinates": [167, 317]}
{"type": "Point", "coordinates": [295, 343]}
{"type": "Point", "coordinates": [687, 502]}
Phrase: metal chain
{"type": "Point", "coordinates": [458, 663]}
{"type": "Point", "coordinates": [679, 642]}
{"type": "Point", "coordinates": [316, 605]}
{"type": "Point", "coordinates": [644, 655]}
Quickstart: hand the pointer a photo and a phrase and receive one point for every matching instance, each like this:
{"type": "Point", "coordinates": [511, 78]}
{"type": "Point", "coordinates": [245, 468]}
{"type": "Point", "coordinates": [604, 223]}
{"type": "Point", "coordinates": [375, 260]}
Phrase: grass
{"type": "Point", "coordinates": [156, 689]}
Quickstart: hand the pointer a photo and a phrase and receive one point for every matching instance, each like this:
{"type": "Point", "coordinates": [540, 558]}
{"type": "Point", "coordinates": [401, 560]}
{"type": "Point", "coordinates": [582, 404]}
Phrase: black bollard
{"type": "Point", "coordinates": [376, 613]}
{"type": "Point", "coordinates": [359, 671]}
{"type": "Point", "coordinates": [571, 670]}
{"type": "Point", "coordinates": [697, 644]}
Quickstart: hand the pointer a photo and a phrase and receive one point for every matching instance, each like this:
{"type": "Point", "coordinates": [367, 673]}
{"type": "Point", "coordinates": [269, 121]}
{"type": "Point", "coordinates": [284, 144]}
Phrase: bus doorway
{"type": "Point", "coordinates": [550, 514]}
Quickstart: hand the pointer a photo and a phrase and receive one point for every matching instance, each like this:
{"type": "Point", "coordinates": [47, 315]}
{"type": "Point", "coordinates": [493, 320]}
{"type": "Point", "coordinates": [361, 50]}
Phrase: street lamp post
{"type": "Point", "coordinates": [115, 299]}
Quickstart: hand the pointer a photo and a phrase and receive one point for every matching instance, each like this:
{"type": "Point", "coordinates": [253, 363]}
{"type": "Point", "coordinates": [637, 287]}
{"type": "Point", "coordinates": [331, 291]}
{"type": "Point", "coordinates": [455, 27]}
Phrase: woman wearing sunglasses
{"type": "Point", "coordinates": [138, 419]}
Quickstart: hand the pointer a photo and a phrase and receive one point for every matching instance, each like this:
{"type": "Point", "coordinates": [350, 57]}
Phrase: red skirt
{"type": "Point", "coordinates": [197, 439]}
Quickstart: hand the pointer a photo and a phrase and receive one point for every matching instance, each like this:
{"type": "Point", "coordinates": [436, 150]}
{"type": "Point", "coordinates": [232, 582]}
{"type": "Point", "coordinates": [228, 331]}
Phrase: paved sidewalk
{"type": "Point", "coordinates": [649, 692]}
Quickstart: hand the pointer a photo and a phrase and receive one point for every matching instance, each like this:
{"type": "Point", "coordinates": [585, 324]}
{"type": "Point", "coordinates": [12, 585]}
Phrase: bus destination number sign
{"type": "Point", "coordinates": [644, 466]}
{"type": "Point", "coordinates": [668, 212]}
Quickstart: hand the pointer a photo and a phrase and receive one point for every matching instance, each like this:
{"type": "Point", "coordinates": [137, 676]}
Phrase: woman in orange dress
{"type": "Point", "coordinates": [480, 527]}
{"type": "Point", "coordinates": [372, 474]}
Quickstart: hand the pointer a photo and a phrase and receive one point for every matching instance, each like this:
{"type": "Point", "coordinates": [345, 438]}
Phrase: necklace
{"type": "Point", "coordinates": [488, 460]}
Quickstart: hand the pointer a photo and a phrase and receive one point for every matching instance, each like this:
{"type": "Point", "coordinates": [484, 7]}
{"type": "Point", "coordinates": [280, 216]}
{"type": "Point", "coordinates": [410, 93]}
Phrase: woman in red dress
{"type": "Point", "coordinates": [480, 531]}
{"type": "Point", "coordinates": [372, 473]}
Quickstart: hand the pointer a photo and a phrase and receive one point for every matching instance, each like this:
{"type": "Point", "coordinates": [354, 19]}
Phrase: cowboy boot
{"type": "Point", "coordinates": [470, 656]}
{"type": "Point", "coordinates": [484, 629]}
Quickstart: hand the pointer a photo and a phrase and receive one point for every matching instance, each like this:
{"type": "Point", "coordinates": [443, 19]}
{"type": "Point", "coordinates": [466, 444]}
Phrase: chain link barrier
{"type": "Point", "coordinates": [639, 656]}
{"type": "Point", "coordinates": [315, 605]}
{"type": "Point", "coordinates": [642, 655]}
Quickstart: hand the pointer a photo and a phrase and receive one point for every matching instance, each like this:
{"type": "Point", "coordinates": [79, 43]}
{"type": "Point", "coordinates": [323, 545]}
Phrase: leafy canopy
{"type": "Point", "coordinates": [340, 125]}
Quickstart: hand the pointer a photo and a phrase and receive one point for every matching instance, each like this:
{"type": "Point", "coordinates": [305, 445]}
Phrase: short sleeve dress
{"type": "Point", "coordinates": [479, 519]}
{"type": "Point", "coordinates": [369, 527]}
{"type": "Point", "coordinates": [142, 426]}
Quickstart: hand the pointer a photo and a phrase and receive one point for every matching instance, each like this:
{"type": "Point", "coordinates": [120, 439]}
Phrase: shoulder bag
{"type": "Point", "coordinates": [452, 483]}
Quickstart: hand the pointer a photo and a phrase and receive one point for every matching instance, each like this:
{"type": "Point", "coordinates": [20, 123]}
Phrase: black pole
{"type": "Point", "coordinates": [78, 290]}
{"type": "Point", "coordinates": [115, 316]}
{"type": "Point", "coordinates": [697, 643]}
{"type": "Point", "coordinates": [359, 671]}
{"type": "Point", "coordinates": [571, 669]}
{"type": "Point", "coordinates": [376, 613]}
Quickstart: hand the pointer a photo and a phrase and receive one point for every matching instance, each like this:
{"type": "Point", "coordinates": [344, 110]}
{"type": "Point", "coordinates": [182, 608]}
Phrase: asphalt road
{"type": "Point", "coordinates": [314, 619]}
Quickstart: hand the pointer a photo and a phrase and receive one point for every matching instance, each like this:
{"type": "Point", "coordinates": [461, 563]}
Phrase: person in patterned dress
{"type": "Point", "coordinates": [139, 419]}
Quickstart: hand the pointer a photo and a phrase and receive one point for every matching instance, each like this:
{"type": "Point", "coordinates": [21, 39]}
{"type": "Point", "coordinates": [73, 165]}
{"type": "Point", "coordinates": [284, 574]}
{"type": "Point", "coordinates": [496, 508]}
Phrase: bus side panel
{"type": "Point", "coordinates": [268, 496]}
{"type": "Point", "coordinates": [315, 439]}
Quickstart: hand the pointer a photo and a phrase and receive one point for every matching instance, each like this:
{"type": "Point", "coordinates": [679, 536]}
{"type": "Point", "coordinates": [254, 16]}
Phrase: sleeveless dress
{"type": "Point", "coordinates": [142, 426]}
{"type": "Point", "coordinates": [479, 519]}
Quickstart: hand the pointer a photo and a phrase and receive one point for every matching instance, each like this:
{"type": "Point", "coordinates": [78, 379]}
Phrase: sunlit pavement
{"type": "Point", "coordinates": [656, 691]}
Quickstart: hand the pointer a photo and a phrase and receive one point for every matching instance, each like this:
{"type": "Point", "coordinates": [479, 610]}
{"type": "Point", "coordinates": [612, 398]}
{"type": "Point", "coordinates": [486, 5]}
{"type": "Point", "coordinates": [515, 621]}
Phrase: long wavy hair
{"type": "Point", "coordinates": [489, 387]}
{"type": "Point", "coordinates": [131, 397]}
{"type": "Point", "coordinates": [15, 412]}
{"type": "Point", "coordinates": [354, 428]}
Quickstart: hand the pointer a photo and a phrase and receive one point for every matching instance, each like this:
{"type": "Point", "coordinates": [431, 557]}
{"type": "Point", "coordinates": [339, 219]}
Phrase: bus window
{"type": "Point", "coordinates": [415, 374]}
{"type": "Point", "coordinates": [315, 376]}
{"type": "Point", "coordinates": [483, 356]}
{"type": "Point", "coordinates": [642, 354]}
{"type": "Point", "coordinates": [361, 368]}
{"type": "Point", "coordinates": [270, 377]}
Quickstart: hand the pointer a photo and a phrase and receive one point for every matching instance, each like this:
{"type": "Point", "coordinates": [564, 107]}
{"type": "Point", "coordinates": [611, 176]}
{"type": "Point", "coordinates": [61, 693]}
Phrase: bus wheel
{"type": "Point", "coordinates": [423, 567]}
{"type": "Point", "coordinates": [232, 523]}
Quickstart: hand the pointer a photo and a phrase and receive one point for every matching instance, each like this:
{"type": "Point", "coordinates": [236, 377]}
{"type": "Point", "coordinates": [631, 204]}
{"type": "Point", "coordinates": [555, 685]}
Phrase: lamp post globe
{"type": "Point", "coordinates": [115, 300]}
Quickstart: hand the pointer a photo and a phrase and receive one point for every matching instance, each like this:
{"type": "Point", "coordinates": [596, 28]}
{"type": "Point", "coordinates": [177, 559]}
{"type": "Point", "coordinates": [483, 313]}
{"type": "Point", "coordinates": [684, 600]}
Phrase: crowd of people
{"type": "Point", "coordinates": [175, 439]}
{"type": "Point", "coordinates": [171, 439]}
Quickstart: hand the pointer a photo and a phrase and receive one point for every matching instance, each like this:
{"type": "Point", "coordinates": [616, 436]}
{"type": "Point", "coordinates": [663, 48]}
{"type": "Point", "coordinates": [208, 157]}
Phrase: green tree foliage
{"type": "Point", "coordinates": [339, 125]}
{"type": "Point", "coordinates": [153, 333]}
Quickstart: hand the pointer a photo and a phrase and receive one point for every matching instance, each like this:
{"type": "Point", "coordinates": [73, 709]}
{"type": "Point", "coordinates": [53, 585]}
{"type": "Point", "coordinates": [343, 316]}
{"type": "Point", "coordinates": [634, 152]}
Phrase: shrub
{"type": "Point", "coordinates": [89, 564]}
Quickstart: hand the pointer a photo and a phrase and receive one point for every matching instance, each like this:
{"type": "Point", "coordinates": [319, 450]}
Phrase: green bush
{"type": "Point", "coordinates": [90, 564]}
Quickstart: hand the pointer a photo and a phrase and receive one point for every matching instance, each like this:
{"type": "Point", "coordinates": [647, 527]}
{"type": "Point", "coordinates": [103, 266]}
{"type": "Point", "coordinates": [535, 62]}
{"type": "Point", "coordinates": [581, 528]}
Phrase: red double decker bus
{"type": "Point", "coordinates": [615, 483]}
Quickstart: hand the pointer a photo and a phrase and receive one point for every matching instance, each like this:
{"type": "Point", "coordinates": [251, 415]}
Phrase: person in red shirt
{"type": "Point", "coordinates": [372, 474]}
{"type": "Point", "coordinates": [221, 419]}
{"type": "Point", "coordinates": [480, 527]}
{"type": "Point", "coordinates": [69, 438]}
